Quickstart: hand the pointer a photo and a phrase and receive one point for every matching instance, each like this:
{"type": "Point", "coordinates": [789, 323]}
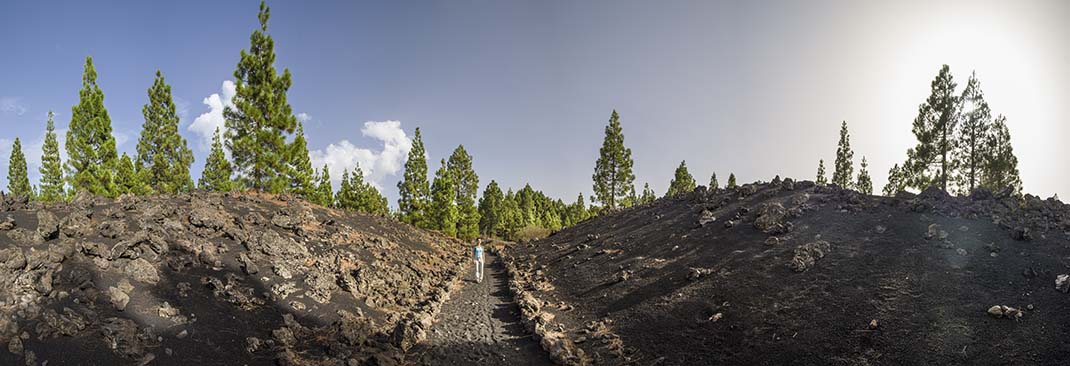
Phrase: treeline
{"type": "Point", "coordinates": [960, 147]}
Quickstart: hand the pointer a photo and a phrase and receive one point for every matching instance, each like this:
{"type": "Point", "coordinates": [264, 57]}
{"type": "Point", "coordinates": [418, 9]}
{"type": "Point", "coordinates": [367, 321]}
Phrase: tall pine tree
{"type": "Point", "coordinates": [613, 170]}
{"type": "Point", "coordinates": [299, 171]}
{"type": "Point", "coordinates": [713, 182]}
{"type": "Point", "coordinates": [261, 118]}
{"type": "Point", "coordinates": [821, 173]}
{"type": "Point", "coordinates": [864, 183]}
{"type": "Point", "coordinates": [18, 183]}
{"type": "Point", "coordinates": [970, 148]}
{"type": "Point", "coordinates": [844, 172]}
{"type": "Point", "coordinates": [217, 173]}
{"type": "Point", "coordinates": [490, 210]}
{"type": "Point", "coordinates": [731, 181]}
{"type": "Point", "coordinates": [51, 188]}
{"type": "Point", "coordinates": [460, 167]}
{"type": "Point", "coordinates": [930, 161]}
{"type": "Point", "coordinates": [682, 181]}
{"type": "Point", "coordinates": [1001, 166]}
{"type": "Point", "coordinates": [414, 194]}
{"type": "Point", "coordinates": [92, 157]}
{"type": "Point", "coordinates": [161, 150]}
{"type": "Point", "coordinates": [324, 193]}
{"type": "Point", "coordinates": [444, 213]}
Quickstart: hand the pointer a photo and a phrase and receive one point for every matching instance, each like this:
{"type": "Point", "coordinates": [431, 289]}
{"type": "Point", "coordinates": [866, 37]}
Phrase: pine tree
{"type": "Point", "coordinates": [844, 160]}
{"type": "Point", "coordinates": [414, 196]}
{"type": "Point", "coordinates": [468, 223]}
{"type": "Point", "coordinates": [613, 170]}
{"type": "Point", "coordinates": [713, 182]}
{"type": "Point", "coordinates": [161, 150]}
{"type": "Point", "coordinates": [18, 183]}
{"type": "Point", "coordinates": [490, 210]}
{"type": "Point", "coordinates": [529, 212]}
{"type": "Point", "coordinates": [1001, 166]}
{"type": "Point", "coordinates": [324, 194]}
{"type": "Point", "coordinates": [648, 196]}
{"type": "Point", "coordinates": [217, 173]}
{"type": "Point", "coordinates": [865, 183]}
{"type": "Point", "coordinates": [974, 127]}
{"type": "Point", "coordinates": [896, 181]}
{"type": "Point", "coordinates": [345, 198]}
{"type": "Point", "coordinates": [731, 181]}
{"type": "Point", "coordinates": [443, 213]}
{"type": "Point", "coordinates": [930, 161]}
{"type": "Point", "coordinates": [299, 171]}
{"type": "Point", "coordinates": [682, 182]}
{"type": "Point", "coordinates": [460, 167]}
{"type": "Point", "coordinates": [51, 166]}
{"type": "Point", "coordinates": [91, 152]}
{"type": "Point", "coordinates": [821, 173]}
{"type": "Point", "coordinates": [130, 180]}
{"type": "Point", "coordinates": [577, 212]}
{"type": "Point", "coordinates": [512, 219]}
{"type": "Point", "coordinates": [261, 118]}
{"type": "Point", "coordinates": [357, 194]}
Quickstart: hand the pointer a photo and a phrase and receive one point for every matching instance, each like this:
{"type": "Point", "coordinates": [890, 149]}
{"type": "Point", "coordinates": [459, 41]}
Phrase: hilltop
{"type": "Point", "coordinates": [796, 273]}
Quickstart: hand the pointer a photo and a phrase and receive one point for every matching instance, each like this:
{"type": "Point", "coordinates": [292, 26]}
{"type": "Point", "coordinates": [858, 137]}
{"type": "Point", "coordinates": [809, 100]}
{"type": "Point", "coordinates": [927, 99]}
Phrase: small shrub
{"type": "Point", "coordinates": [531, 232]}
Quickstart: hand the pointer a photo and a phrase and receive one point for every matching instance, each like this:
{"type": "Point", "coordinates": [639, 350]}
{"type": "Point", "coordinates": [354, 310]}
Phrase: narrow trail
{"type": "Point", "coordinates": [480, 325]}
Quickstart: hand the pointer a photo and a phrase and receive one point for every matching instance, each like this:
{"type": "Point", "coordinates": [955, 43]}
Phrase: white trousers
{"type": "Point", "coordinates": [479, 269]}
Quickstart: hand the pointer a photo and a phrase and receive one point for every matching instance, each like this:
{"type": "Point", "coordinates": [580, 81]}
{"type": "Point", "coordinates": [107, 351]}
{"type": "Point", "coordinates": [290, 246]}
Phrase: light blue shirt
{"type": "Point", "coordinates": [478, 253]}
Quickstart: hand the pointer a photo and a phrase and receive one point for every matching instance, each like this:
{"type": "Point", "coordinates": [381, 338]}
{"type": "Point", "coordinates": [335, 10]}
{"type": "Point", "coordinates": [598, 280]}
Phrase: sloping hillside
{"type": "Point", "coordinates": [215, 280]}
{"type": "Point", "coordinates": [792, 273]}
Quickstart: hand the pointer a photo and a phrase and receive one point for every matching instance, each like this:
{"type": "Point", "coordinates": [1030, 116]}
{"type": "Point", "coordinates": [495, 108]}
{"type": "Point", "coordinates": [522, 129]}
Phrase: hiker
{"type": "Point", "coordinates": [477, 255]}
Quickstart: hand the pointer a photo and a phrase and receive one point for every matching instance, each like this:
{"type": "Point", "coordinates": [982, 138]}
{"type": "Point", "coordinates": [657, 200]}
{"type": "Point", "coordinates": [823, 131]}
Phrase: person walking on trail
{"type": "Point", "coordinates": [477, 255]}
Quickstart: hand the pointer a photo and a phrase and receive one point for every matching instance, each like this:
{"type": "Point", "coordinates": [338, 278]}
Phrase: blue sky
{"type": "Point", "coordinates": [755, 88]}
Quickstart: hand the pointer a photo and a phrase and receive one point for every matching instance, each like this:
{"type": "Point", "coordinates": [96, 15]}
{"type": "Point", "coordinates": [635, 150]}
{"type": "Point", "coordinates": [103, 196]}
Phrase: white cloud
{"type": "Point", "coordinates": [206, 124]}
{"type": "Point", "coordinates": [376, 165]}
{"type": "Point", "coordinates": [12, 105]}
{"type": "Point", "coordinates": [304, 117]}
{"type": "Point", "coordinates": [121, 138]}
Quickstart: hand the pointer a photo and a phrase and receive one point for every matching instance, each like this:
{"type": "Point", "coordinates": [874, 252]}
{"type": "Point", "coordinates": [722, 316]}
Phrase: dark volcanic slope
{"type": "Point", "coordinates": [211, 279]}
{"type": "Point", "coordinates": [787, 273]}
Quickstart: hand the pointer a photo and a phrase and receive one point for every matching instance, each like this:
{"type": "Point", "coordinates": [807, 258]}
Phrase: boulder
{"type": "Point", "coordinates": [770, 215]}
{"type": "Point", "coordinates": [808, 254]}
{"type": "Point", "coordinates": [706, 217]}
{"type": "Point", "coordinates": [7, 223]}
{"type": "Point", "coordinates": [141, 270]}
{"type": "Point", "coordinates": [118, 298]}
{"type": "Point", "coordinates": [47, 225]}
{"type": "Point", "coordinates": [1004, 311]}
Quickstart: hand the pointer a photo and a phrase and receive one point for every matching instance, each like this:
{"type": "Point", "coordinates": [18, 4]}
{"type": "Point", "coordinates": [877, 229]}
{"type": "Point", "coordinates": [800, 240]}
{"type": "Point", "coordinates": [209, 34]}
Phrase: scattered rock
{"type": "Point", "coordinates": [141, 270]}
{"type": "Point", "coordinates": [706, 217]}
{"type": "Point", "coordinates": [118, 298]}
{"type": "Point", "coordinates": [697, 273]}
{"type": "Point", "coordinates": [1062, 283]}
{"type": "Point", "coordinates": [47, 225]}
{"type": "Point", "coordinates": [7, 223]}
{"type": "Point", "coordinates": [769, 216]}
{"type": "Point", "coordinates": [1022, 233]}
{"type": "Point", "coordinates": [1004, 311]}
{"type": "Point", "coordinates": [807, 254]}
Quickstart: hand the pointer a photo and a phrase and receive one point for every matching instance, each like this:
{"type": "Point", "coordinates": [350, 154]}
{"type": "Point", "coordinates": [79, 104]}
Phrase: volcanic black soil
{"type": "Point", "coordinates": [788, 273]}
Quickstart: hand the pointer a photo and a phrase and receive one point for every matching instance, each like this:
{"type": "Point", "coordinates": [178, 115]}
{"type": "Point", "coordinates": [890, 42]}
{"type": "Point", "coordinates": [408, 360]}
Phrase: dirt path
{"type": "Point", "coordinates": [480, 325]}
